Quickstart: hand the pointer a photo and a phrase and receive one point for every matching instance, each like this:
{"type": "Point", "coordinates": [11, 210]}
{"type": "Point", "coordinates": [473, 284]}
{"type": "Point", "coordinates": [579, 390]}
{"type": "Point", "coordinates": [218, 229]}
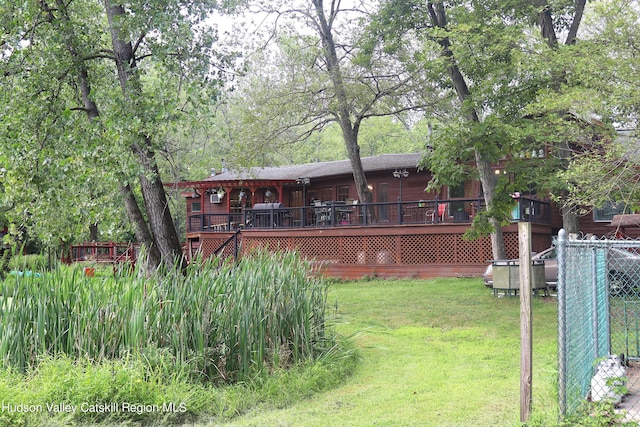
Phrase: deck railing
{"type": "Point", "coordinates": [107, 252]}
{"type": "Point", "coordinates": [341, 214]}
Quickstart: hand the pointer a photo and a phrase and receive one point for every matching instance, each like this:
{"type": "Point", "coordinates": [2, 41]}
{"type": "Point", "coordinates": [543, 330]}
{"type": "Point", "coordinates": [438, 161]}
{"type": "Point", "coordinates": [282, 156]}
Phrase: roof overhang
{"type": "Point", "coordinates": [625, 220]}
{"type": "Point", "coordinates": [231, 183]}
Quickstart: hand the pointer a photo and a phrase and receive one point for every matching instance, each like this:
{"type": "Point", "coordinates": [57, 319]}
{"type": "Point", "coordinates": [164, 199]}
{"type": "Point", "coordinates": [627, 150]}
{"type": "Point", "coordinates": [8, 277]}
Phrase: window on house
{"type": "Point", "coordinates": [342, 193]}
{"type": "Point", "coordinates": [296, 199]}
{"type": "Point", "coordinates": [326, 194]}
{"type": "Point", "coordinates": [532, 152]}
{"type": "Point", "coordinates": [196, 207]}
{"type": "Point", "coordinates": [607, 211]}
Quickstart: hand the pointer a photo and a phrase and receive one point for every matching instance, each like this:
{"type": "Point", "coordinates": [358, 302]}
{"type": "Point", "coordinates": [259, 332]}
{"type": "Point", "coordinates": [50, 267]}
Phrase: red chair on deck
{"type": "Point", "coordinates": [442, 210]}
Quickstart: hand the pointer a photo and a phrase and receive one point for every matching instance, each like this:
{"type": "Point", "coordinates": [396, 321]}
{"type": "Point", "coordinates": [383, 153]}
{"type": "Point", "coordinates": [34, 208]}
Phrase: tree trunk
{"type": "Point", "coordinates": [349, 125]}
{"type": "Point", "coordinates": [155, 200]}
{"type": "Point", "coordinates": [93, 232]}
{"type": "Point", "coordinates": [91, 109]}
{"type": "Point", "coordinates": [545, 20]}
{"type": "Point", "coordinates": [162, 227]}
{"type": "Point", "coordinates": [439, 19]}
{"type": "Point", "coordinates": [575, 23]}
{"type": "Point", "coordinates": [488, 187]}
{"type": "Point", "coordinates": [5, 257]}
{"type": "Point", "coordinates": [153, 258]}
{"type": "Point", "coordinates": [570, 220]}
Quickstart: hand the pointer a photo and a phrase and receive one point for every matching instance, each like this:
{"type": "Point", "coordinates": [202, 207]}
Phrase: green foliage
{"type": "Point", "coordinates": [501, 209]}
{"type": "Point", "coordinates": [526, 92]}
{"type": "Point", "coordinates": [290, 100]}
{"type": "Point", "coordinates": [155, 395]}
{"type": "Point", "coordinates": [219, 322]}
{"type": "Point", "coordinates": [378, 135]}
{"type": "Point", "coordinates": [33, 262]}
{"type": "Point", "coordinates": [452, 154]}
{"type": "Point", "coordinates": [170, 338]}
{"type": "Point", "coordinates": [597, 178]}
{"type": "Point", "coordinates": [67, 163]}
{"type": "Point", "coordinates": [611, 92]}
{"type": "Point", "coordinates": [5, 258]}
{"type": "Point", "coordinates": [597, 414]}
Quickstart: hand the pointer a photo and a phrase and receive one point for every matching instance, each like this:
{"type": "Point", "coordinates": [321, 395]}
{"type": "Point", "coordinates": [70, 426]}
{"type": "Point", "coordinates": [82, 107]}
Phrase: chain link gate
{"type": "Point", "coordinates": [599, 323]}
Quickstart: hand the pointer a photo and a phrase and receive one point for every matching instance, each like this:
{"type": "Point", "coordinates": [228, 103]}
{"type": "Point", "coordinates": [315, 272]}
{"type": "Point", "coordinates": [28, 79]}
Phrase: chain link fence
{"type": "Point", "coordinates": [599, 323]}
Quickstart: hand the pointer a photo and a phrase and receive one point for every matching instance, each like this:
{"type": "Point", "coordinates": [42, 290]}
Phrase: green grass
{"type": "Point", "coordinates": [440, 352]}
{"type": "Point", "coordinates": [434, 353]}
{"type": "Point", "coordinates": [86, 384]}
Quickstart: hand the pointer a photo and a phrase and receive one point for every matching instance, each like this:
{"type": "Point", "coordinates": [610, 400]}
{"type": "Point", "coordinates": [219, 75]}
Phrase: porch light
{"type": "Point", "coordinates": [400, 174]}
{"type": "Point", "coordinates": [241, 195]}
{"type": "Point", "coordinates": [221, 193]}
{"type": "Point", "coordinates": [268, 194]}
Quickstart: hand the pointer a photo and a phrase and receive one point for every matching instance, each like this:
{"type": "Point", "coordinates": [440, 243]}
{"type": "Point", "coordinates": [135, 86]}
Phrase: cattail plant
{"type": "Point", "coordinates": [220, 321]}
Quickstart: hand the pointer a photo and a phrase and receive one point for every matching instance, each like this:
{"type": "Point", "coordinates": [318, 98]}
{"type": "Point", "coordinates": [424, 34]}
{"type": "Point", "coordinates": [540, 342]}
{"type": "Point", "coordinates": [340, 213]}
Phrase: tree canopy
{"type": "Point", "coordinates": [100, 99]}
{"type": "Point", "coordinates": [92, 91]}
{"type": "Point", "coordinates": [610, 74]}
{"type": "Point", "coordinates": [519, 78]}
{"type": "Point", "coordinates": [310, 78]}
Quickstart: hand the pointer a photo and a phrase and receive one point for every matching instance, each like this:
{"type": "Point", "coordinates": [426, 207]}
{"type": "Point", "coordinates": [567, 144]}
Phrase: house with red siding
{"type": "Point", "coordinates": [314, 209]}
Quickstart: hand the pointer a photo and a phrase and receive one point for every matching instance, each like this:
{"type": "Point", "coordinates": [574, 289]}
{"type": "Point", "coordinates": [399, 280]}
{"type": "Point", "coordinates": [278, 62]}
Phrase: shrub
{"type": "Point", "coordinates": [33, 263]}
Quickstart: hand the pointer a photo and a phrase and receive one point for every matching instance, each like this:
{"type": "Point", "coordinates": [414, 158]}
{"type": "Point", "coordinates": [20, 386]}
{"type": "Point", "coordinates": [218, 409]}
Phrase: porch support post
{"type": "Point", "coordinates": [279, 189]}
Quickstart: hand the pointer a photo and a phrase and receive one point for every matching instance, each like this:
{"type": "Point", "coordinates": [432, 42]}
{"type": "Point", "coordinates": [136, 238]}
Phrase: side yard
{"type": "Point", "coordinates": [441, 352]}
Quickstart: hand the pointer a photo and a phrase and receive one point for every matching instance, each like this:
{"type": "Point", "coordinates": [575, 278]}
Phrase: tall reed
{"type": "Point", "coordinates": [219, 322]}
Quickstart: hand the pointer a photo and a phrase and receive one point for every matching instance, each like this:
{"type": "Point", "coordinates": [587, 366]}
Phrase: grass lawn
{"type": "Point", "coordinates": [441, 352]}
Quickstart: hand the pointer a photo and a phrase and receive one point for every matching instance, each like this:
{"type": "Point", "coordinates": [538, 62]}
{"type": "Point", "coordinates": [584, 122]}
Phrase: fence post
{"type": "Point", "coordinates": [594, 301]}
{"type": "Point", "coordinates": [524, 238]}
{"type": "Point", "coordinates": [562, 327]}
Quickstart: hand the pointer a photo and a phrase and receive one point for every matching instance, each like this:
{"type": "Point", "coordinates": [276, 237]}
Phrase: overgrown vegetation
{"type": "Point", "coordinates": [131, 390]}
{"type": "Point", "coordinates": [171, 343]}
{"type": "Point", "coordinates": [597, 414]}
{"type": "Point", "coordinates": [219, 321]}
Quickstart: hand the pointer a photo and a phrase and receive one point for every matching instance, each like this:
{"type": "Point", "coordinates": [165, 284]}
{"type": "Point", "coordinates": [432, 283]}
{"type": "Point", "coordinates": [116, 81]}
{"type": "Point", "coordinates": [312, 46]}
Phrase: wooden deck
{"type": "Point", "coordinates": [352, 252]}
{"type": "Point", "coordinates": [104, 252]}
{"type": "Point", "coordinates": [420, 239]}
{"type": "Point", "coordinates": [343, 214]}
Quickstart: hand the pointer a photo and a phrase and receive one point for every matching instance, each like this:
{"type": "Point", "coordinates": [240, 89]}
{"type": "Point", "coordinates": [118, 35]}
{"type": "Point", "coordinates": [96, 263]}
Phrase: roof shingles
{"type": "Point", "coordinates": [321, 170]}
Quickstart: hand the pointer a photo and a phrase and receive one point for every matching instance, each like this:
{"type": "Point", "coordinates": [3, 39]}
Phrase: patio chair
{"type": "Point", "coordinates": [442, 211]}
{"type": "Point", "coordinates": [430, 215]}
{"type": "Point", "coordinates": [322, 212]}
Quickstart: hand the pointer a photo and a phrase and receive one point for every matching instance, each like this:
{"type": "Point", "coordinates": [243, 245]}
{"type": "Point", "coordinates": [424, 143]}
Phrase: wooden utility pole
{"type": "Point", "coordinates": [524, 239]}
